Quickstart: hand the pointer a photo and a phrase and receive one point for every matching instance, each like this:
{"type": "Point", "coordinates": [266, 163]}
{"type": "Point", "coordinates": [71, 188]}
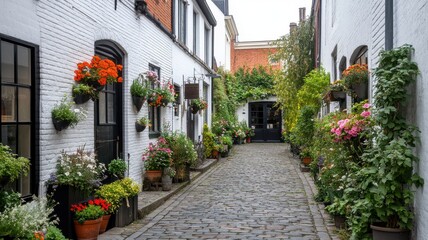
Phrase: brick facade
{"type": "Point", "coordinates": [161, 10]}
{"type": "Point", "coordinates": [252, 54]}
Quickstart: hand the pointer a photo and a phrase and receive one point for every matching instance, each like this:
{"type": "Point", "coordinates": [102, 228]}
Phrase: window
{"type": "Point", "coordinates": [205, 97]}
{"type": "Point", "coordinates": [177, 102]}
{"type": "Point", "coordinates": [195, 33]}
{"type": "Point", "coordinates": [182, 20]}
{"type": "Point", "coordinates": [361, 57]}
{"type": "Point", "coordinates": [154, 112]}
{"type": "Point", "coordinates": [342, 66]}
{"type": "Point", "coordinates": [207, 46]}
{"type": "Point", "coordinates": [18, 107]}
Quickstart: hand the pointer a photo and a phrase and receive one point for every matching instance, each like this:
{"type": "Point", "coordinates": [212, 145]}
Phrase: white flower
{"type": "Point", "coordinates": [76, 110]}
{"type": "Point", "coordinates": [78, 173]}
{"type": "Point", "coordinates": [66, 174]}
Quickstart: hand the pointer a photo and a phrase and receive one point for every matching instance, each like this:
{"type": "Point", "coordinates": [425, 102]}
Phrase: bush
{"type": "Point", "coordinates": [183, 149]}
{"type": "Point", "coordinates": [117, 168]}
{"type": "Point", "coordinates": [11, 166]}
{"type": "Point", "coordinates": [114, 192]}
{"type": "Point", "coordinates": [53, 233]}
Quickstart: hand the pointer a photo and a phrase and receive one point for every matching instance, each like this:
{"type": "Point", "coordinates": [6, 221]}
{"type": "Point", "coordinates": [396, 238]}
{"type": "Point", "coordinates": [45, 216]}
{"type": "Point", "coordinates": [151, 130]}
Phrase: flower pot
{"type": "Point", "coordinates": [153, 175]}
{"type": "Point", "coordinates": [214, 154]}
{"type": "Point", "coordinates": [88, 230]}
{"type": "Point", "coordinates": [127, 213]}
{"type": "Point", "coordinates": [60, 124]}
{"type": "Point", "coordinates": [138, 102]}
{"type": "Point", "coordinates": [96, 85]}
{"type": "Point", "coordinates": [384, 233]}
{"type": "Point", "coordinates": [337, 96]}
{"type": "Point", "coordinates": [194, 110]}
{"type": "Point", "coordinates": [361, 90]}
{"type": "Point", "coordinates": [248, 140]}
{"type": "Point", "coordinates": [339, 221]}
{"type": "Point", "coordinates": [164, 102]}
{"type": "Point", "coordinates": [166, 181]}
{"type": "Point", "coordinates": [306, 160]}
{"type": "Point", "coordinates": [81, 98]}
{"type": "Point", "coordinates": [104, 223]}
{"type": "Point", "coordinates": [139, 127]}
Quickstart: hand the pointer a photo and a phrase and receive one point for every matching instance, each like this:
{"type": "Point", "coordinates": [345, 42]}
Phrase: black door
{"type": "Point", "coordinates": [191, 118]}
{"type": "Point", "coordinates": [265, 118]}
{"type": "Point", "coordinates": [108, 109]}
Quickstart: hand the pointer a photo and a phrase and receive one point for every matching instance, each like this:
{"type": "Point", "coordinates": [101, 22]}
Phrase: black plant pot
{"type": "Point", "coordinates": [138, 102]}
{"type": "Point", "coordinates": [194, 109]}
{"type": "Point", "coordinates": [337, 96]}
{"type": "Point", "coordinates": [139, 127]}
{"type": "Point", "coordinates": [96, 85]}
{"type": "Point", "coordinates": [164, 102]}
{"type": "Point", "coordinates": [81, 98]}
{"type": "Point", "coordinates": [126, 214]}
{"type": "Point", "coordinates": [384, 233]}
{"type": "Point", "coordinates": [361, 90]}
{"type": "Point", "coordinates": [60, 124]}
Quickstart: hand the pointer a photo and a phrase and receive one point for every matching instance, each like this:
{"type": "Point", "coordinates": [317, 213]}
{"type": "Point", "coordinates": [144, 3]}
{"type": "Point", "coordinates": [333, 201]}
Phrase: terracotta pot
{"type": "Point", "coordinates": [139, 127]}
{"type": "Point", "coordinates": [384, 233]}
{"type": "Point", "coordinates": [248, 140]}
{"type": "Point", "coordinates": [306, 160]}
{"type": "Point", "coordinates": [138, 102]}
{"type": "Point", "coordinates": [88, 230]}
{"type": "Point", "coordinates": [104, 223]}
{"type": "Point", "coordinates": [214, 153]}
{"type": "Point", "coordinates": [153, 175]}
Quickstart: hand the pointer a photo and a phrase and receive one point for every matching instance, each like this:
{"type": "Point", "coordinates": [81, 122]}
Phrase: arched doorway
{"type": "Point", "coordinates": [109, 109]}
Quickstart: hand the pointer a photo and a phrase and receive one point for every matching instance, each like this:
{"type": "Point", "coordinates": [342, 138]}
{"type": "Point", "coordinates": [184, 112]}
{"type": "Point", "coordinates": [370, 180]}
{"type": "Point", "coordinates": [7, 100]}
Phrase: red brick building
{"type": "Point", "coordinates": [253, 54]}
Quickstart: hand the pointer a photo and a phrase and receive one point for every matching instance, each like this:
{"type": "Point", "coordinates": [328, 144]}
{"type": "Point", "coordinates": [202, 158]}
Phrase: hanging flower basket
{"type": "Point", "coordinates": [81, 98]}
{"type": "Point", "coordinates": [197, 105]}
{"type": "Point", "coordinates": [138, 102]}
{"type": "Point", "coordinates": [194, 109]}
{"type": "Point", "coordinates": [60, 124]}
{"type": "Point", "coordinates": [139, 127]}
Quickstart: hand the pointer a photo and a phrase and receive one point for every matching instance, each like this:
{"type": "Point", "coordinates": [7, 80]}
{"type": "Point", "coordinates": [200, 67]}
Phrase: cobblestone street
{"type": "Point", "coordinates": [258, 193]}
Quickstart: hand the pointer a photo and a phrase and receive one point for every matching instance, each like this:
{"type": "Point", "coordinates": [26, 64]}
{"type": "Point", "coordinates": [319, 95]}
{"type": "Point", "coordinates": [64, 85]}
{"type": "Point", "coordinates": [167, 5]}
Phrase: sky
{"type": "Point", "coordinates": [265, 19]}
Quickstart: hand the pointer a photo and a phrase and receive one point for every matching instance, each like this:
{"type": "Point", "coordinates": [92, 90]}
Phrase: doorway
{"type": "Point", "coordinates": [265, 118]}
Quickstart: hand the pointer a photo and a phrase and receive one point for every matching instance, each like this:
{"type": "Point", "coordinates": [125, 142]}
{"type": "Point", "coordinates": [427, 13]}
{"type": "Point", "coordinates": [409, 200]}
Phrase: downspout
{"type": "Point", "coordinates": [212, 80]}
{"type": "Point", "coordinates": [389, 24]}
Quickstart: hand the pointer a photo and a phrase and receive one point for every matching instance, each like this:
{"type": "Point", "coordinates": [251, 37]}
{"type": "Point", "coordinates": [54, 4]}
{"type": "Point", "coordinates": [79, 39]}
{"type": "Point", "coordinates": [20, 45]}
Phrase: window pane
{"type": "Point", "coordinates": [24, 141]}
{"type": "Point", "coordinates": [110, 108]}
{"type": "Point", "coordinates": [102, 108]}
{"type": "Point", "coordinates": [7, 62]}
{"type": "Point", "coordinates": [8, 104]}
{"type": "Point", "coordinates": [24, 110]}
{"type": "Point", "coordinates": [24, 65]}
{"type": "Point", "coordinates": [8, 136]}
{"type": "Point", "coordinates": [25, 184]}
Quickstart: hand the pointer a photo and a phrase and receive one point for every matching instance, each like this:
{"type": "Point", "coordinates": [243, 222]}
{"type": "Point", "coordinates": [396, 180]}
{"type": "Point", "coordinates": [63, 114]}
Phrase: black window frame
{"type": "Point", "coordinates": [177, 102]}
{"type": "Point", "coordinates": [34, 108]}
{"type": "Point", "coordinates": [155, 112]}
{"type": "Point", "coordinates": [182, 21]}
{"type": "Point", "coordinates": [207, 45]}
{"type": "Point", "coordinates": [195, 33]}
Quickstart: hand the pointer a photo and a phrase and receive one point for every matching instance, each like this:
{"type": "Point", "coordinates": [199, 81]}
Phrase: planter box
{"type": "Point", "coordinates": [65, 196]}
{"type": "Point", "coordinates": [125, 215]}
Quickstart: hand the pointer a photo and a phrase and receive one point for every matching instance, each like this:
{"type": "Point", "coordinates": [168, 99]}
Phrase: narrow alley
{"type": "Point", "coordinates": [257, 193]}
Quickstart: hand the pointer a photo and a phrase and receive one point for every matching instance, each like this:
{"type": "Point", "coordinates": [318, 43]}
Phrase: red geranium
{"type": "Point", "coordinates": [97, 202]}
{"type": "Point", "coordinates": [98, 70]}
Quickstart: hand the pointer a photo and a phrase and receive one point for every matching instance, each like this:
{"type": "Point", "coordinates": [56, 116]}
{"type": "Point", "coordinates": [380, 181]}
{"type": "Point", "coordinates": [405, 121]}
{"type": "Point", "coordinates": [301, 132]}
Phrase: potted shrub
{"type": "Point", "coordinates": [122, 197]}
{"type": "Point", "coordinates": [97, 73]}
{"type": "Point", "coordinates": [82, 93]}
{"type": "Point", "coordinates": [305, 156]}
{"type": "Point", "coordinates": [384, 190]}
{"type": "Point", "coordinates": [116, 168]}
{"type": "Point", "coordinates": [87, 220]}
{"type": "Point", "coordinates": [227, 143]}
{"type": "Point", "coordinates": [28, 220]}
{"type": "Point", "coordinates": [198, 104]}
{"type": "Point", "coordinates": [76, 176]}
{"type": "Point", "coordinates": [64, 116]}
{"type": "Point", "coordinates": [356, 79]}
{"type": "Point", "coordinates": [139, 92]}
{"type": "Point", "coordinates": [142, 123]}
{"type": "Point", "coordinates": [11, 166]}
{"type": "Point", "coordinates": [156, 157]}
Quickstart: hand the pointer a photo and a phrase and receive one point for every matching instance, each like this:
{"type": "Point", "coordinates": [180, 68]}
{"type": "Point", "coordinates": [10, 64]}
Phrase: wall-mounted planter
{"type": "Point", "coordinates": [138, 102]}
{"type": "Point", "coordinates": [139, 127]}
{"type": "Point", "coordinates": [81, 98]}
{"type": "Point", "coordinates": [361, 90]}
{"type": "Point", "coordinates": [60, 124]}
{"type": "Point", "coordinates": [194, 109]}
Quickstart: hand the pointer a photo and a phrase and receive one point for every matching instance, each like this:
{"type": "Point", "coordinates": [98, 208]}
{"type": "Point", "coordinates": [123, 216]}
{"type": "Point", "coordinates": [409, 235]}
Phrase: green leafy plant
{"type": "Point", "coordinates": [117, 168]}
{"type": "Point", "coordinates": [114, 192]}
{"type": "Point", "coordinates": [88, 212]}
{"type": "Point", "coordinates": [183, 149]}
{"type": "Point", "coordinates": [199, 104]}
{"type": "Point", "coordinates": [315, 85]}
{"type": "Point", "coordinates": [64, 112]}
{"type": "Point", "coordinates": [226, 140]}
{"type": "Point", "coordinates": [170, 172]}
{"type": "Point", "coordinates": [12, 166]}
{"type": "Point", "coordinates": [54, 233]}
{"type": "Point", "coordinates": [139, 87]}
{"type": "Point", "coordinates": [84, 89]}
{"type": "Point", "coordinates": [23, 221]}
{"type": "Point", "coordinates": [144, 121]}
{"type": "Point", "coordinates": [157, 156]}
{"type": "Point", "coordinates": [305, 127]}
{"type": "Point", "coordinates": [9, 199]}
{"type": "Point", "coordinates": [208, 140]}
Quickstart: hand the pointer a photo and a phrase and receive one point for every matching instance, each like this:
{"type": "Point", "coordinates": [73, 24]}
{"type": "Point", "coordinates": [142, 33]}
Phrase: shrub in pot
{"type": "Point", "coordinates": [64, 116]}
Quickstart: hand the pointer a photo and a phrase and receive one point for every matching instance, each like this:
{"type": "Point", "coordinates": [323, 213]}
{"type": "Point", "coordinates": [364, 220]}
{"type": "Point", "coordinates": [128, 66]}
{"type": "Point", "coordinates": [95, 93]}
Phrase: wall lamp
{"type": "Point", "coordinates": [141, 6]}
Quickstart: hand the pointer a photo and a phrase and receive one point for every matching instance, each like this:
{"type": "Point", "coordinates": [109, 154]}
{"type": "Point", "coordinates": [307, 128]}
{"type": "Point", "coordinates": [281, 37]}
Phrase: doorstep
{"type": "Point", "coordinates": [148, 201]}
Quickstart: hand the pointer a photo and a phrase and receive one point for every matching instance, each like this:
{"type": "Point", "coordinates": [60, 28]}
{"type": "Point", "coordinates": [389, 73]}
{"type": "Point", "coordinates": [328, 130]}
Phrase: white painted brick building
{"type": "Point", "coordinates": [58, 35]}
{"type": "Point", "coordinates": [347, 25]}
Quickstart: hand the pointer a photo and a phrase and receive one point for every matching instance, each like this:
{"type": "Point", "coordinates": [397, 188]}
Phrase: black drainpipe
{"type": "Point", "coordinates": [212, 67]}
{"type": "Point", "coordinates": [389, 24]}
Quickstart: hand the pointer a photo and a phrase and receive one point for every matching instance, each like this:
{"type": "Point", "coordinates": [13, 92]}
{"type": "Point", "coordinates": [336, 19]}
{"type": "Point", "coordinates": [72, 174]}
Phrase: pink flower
{"type": "Point", "coordinates": [365, 114]}
{"type": "Point", "coordinates": [367, 105]}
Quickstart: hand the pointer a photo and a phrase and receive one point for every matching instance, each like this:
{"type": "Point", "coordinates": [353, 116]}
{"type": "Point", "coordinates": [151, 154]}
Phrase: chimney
{"type": "Point", "coordinates": [293, 26]}
{"type": "Point", "coordinates": [302, 14]}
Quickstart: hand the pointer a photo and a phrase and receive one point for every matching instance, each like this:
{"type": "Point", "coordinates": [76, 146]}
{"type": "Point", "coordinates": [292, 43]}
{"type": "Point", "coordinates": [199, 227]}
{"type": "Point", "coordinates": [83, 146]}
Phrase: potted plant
{"type": "Point", "coordinates": [82, 93]}
{"type": "Point", "coordinates": [139, 92]}
{"type": "Point", "coordinates": [77, 175]}
{"type": "Point", "coordinates": [97, 73]}
{"type": "Point", "coordinates": [105, 207]}
{"type": "Point", "coordinates": [216, 150]}
{"type": "Point", "coordinates": [122, 197]}
{"type": "Point", "coordinates": [87, 220]}
{"type": "Point", "coordinates": [117, 168]}
{"type": "Point", "coordinates": [305, 156]}
{"type": "Point", "coordinates": [156, 157]}
{"type": "Point", "coordinates": [161, 96]}
{"type": "Point", "coordinates": [336, 91]}
{"type": "Point", "coordinates": [227, 143]}
{"type": "Point", "coordinates": [142, 123]}
{"type": "Point", "coordinates": [384, 188]}
{"type": "Point", "coordinates": [356, 79]}
{"type": "Point", "coordinates": [167, 175]}
{"type": "Point", "coordinates": [11, 166]}
{"type": "Point", "coordinates": [198, 104]}
{"type": "Point", "coordinates": [64, 116]}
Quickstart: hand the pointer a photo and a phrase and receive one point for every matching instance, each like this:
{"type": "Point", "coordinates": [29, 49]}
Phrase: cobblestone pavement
{"type": "Point", "coordinates": [258, 193]}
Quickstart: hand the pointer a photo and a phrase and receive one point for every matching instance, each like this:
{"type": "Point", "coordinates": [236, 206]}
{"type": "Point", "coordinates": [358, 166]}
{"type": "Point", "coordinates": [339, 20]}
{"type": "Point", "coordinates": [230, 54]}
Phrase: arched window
{"type": "Point", "coordinates": [361, 89]}
{"type": "Point", "coordinates": [342, 66]}
{"type": "Point", "coordinates": [360, 56]}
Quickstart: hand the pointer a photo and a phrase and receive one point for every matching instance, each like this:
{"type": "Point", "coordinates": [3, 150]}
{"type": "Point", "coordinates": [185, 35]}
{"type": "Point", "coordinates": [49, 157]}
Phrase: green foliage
{"type": "Point", "coordinates": [382, 191]}
{"type": "Point", "coordinates": [21, 221]}
{"type": "Point", "coordinates": [183, 149]}
{"type": "Point", "coordinates": [208, 139]}
{"type": "Point", "coordinates": [84, 89]}
{"type": "Point", "coordinates": [54, 233]}
{"type": "Point", "coordinates": [253, 84]}
{"type": "Point", "coordinates": [11, 166]}
{"type": "Point", "coordinates": [64, 112]}
{"type": "Point", "coordinates": [9, 199]}
{"type": "Point", "coordinates": [296, 51]}
{"type": "Point", "coordinates": [226, 140]}
{"type": "Point", "coordinates": [305, 126]}
{"type": "Point", "coordinates": [315, 85]}
{"type": "Point", "coordinates": [117, 168]}
{"type": "Point", "coordinates": [157, 156]}
{"type": "Point", "coordinates": [91, 212]}
{"type": "Point", "coordinates": [114, 192]}
{"type": "Point", "coordinates": [144, 121]}
{"type": "Point", "coordinates": [139, 87]}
